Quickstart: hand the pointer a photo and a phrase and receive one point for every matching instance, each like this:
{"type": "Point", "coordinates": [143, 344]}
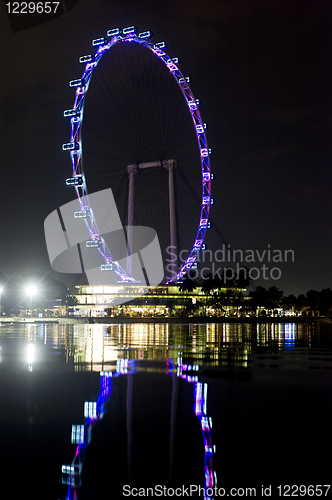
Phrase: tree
{"type": "Point", "coordinates": [191, 307]}
{"type": "Point", "coordinates": [289, 303]}
{"type": "Point", "coordinates": [155, 303]}
{"type": "Point", "coordinates": [187, 286]}
{"type": "Point", "coordinates": [228, 278]}
{"type": "Point", "coordinates": [237, 300]}
{"type": "Point", "coordinates": [170, 304]}
{"type": "Point", "coordinates": [217, 301]}
{"type": "Point", "coordinates": [229, 297]}
{"type": "Point", "coordinates": [71, 300]}
{"type": "Point", "coordinates": [209, 283]}
{"type": "Point", "coordinates": [325, 301]}
{"type": "Point", "coordinates": [301, 302]}
{"type": "Point", "coordinates": [259, 298]}
{"type": "Point", "coordinates": [312, 297]}
{"type": "Point", "coordinates": [242, 280]}
{"type": "Point", "coordinates": [274, 296]}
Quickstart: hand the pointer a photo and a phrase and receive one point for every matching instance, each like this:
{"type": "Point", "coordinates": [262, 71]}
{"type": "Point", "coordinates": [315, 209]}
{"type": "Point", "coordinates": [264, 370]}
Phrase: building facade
{"type": "Point", "coordinates": [142, 301]}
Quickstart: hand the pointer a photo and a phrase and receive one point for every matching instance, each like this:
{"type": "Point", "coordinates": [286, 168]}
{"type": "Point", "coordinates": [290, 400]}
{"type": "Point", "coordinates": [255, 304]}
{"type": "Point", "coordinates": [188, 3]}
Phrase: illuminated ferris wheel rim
{"type": "Point", "coordinates": [128, 35]}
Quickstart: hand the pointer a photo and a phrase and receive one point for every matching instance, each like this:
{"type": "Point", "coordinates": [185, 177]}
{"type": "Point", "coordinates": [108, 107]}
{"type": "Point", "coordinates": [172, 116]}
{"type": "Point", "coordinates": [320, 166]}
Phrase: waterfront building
{"type": "Point", "coordinates": [137, 300]}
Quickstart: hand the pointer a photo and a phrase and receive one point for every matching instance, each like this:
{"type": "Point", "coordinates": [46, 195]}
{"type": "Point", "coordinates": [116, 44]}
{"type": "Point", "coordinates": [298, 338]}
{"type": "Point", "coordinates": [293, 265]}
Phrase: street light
{"type": "Point", "coordinates": [1, 290]}
{"type": "Point", "coordinates": [31, 290]}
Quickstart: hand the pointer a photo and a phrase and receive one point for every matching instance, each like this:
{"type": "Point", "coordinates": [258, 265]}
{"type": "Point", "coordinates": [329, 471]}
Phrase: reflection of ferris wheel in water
{"type": "Point", "coordinates": [161, 130]}
{"type": "Point", "coordinates": [94, 412]}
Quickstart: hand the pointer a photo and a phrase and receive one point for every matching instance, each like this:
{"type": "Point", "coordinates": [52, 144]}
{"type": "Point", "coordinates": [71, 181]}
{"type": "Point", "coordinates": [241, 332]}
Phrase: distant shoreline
{"type": "Point", "coordinates": [190, 320]}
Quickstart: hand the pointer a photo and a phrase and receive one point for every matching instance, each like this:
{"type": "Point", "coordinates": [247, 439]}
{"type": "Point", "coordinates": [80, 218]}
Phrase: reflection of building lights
{"type": "Point", "coordinates": [122, 366]}
{"type": "Point", "coordinates": [67, 469]}
{"type": "Point", "coordinates": [289, 335]}
{"type": "Point", "coordinates": [198, 399]}
{"type": "Point", "coordinates": [96, 348]}
{"type": "Point", "coordinates": [71, 474]}
{"type": "Point", "coordinates": [77, 434]}
{"type": "Point", "coordinates": [31, 354]}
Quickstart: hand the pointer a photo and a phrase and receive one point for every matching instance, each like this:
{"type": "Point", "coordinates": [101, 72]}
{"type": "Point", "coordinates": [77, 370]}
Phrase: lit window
{"type": "Point", "coordinates": [86, 58]}
{"type": "Point", "coordinates": [111, 289]}
{"type": "Point", "coordinates": [145, 34]}
{"type": "Point", "coordinates": [107, 267]}
{"type": "Point", "coordinates": [75, 181]}
{"type": "Point", "coordinates": [161, 45]}
{"type": "Point", "coordinates": [71, 112]}
{"type": "Point", "coordinates": [82, 214]}
{"type": "Point", "coordinates": [114, 32]}
{"type": "Point", "coordinates": [70, 146]}
{"type": "Point", "coordinates": [192, 105]}
{"type": "Point", "coordinates": [76, 83]}
{"type": "Point", "coordinates": [130, 30]}
{"type": "Point", "coordinates": [99, 41]}
{"type": "Point", "coordinates": [90, 409]}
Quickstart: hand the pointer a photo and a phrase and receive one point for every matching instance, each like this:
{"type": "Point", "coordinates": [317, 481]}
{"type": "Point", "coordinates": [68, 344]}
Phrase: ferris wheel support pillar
{"type": "Point", "coordinates": [171, 166]}
{"type": "Point", "coordinates": [131, 170]}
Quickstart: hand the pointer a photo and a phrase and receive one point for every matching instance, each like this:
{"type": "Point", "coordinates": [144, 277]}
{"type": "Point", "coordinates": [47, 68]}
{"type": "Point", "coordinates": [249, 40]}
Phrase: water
{"type": "Point", "coordinates": [212, 406]}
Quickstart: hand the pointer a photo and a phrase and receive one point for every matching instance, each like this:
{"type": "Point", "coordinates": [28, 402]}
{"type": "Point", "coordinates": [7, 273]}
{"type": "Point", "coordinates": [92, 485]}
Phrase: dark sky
{"type": "Point", "coordinates": [263, 72]}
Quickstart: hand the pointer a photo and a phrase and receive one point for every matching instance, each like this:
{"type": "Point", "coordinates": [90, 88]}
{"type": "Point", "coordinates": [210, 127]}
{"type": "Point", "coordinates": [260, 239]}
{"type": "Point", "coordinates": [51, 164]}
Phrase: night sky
{"type": "Point", "coordinates": [263, 72]}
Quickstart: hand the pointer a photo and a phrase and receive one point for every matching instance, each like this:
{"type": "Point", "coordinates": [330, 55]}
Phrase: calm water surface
{"type": "Point", "coordinates": [215, 405]}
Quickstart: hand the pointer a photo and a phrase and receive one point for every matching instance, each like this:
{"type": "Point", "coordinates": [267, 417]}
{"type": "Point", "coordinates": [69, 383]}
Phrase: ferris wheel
{"type": "Point", "coordinates": [130, 36]}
